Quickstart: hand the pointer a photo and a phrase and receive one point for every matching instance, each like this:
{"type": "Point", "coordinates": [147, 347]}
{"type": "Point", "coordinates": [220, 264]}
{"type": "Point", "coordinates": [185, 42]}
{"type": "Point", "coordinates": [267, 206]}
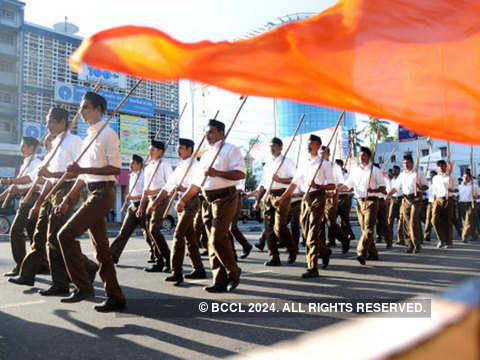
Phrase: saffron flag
{"type": "Point", "coordinates": [416, 62]}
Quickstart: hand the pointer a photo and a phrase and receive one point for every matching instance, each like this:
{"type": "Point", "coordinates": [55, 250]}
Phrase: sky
{"type": "Point", "coordinates": [189, 21]}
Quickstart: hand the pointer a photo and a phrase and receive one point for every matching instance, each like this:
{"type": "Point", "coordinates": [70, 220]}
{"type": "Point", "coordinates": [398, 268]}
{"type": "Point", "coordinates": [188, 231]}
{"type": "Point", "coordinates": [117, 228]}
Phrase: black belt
{"type": "Point", "coordinates": [316, 193]}
{"type": "Point", "coordinates": [136, 203]}
{"type": "Point", "coordinates": [368, 198]}
{"type": "Point", "coordinates": [411, 196]}
{"type": "Point", "coordinates": [212, 195]}
{"type": "Point", "coordinates": [99, 185]}
{"type": "Point", "coordinates": [277, 192]}
{"type": "Point", "coordinates": [344, 196]}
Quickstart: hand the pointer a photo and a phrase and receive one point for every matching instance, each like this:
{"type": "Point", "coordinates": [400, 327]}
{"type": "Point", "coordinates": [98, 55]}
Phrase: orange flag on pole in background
{"type": "Point", "coordinates": [416, 62]}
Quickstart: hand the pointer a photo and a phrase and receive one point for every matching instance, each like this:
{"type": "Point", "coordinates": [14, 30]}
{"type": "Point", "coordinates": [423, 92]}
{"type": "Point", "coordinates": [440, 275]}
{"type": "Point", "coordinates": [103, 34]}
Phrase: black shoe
{"type": "Point", "coordinates": [345, 246]}
{"type": "Point", "coordinates": [196, 274]}
{"type": "Point", "coordinates": [216, 288]}
{"type": "Point", "coordinates": [372, 257]}
{"type": "Point", "coordinates": [361, 259]}
{"type": "Point", "coordinates": [409, 250]}
{"type": "Point", "coordinates": [233, 283]}
{"type": "Point", "coordinates": [167, 268]}
{"type": "Point", "coordinates": [44, 270]}
{"type": "Point", "coordinates": [22, 280]}
{"type": "Point", "coordinates": [14, 272]}
{"type": "Point", "coordinates": [77, 296]}
{"type": "Point", "coordinates": [326, 259]}
{"type": "Point", "coordinates": [92, 274]}
{"type": "Point", "coordinates": [292, 256]}
{"type": "Point", "coordinates": [379, 240]}
{"type": "Point", "coordinates": [54, 290]}
{"type": "Point", "coordinates": [273, 262]}
{"type": "Point", "coordinates": [115, 259]}
{"type": "Point", "coordinates": [426, 239]}
{"type": "Point", "coordinates": [176, 278]}
{"type": "Point", "coordinates": [260, 246]}
{"type": "Point", "coordinates": [417, 249]}
{"type": "Point", "coordinates": [111, 304]}
{"type": "Point", "coordinates": [204, 253]}
{"type": "Point", "coordinates": [310, 273]}
{"type": "Point", "coordinates": [246, 252]}
{"type": "Point", "coordinates": [154, 268]}
{"type": "Point", "coordinates": [389, 246]}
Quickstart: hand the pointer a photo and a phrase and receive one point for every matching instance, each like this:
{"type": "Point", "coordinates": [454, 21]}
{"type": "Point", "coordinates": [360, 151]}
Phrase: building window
{"type": "Point", "coordinates": [425, 152]}
{"type": "Point", "coordinates": [443, 151]}
{"type": "Point", "coordinates": [6, 97]}
{"type": "Point", "coordinates": [7, 66]}
{"type": "Point", "coordinates": [8, 15]}
{"type": "Point", "coordinates": [7, 38]}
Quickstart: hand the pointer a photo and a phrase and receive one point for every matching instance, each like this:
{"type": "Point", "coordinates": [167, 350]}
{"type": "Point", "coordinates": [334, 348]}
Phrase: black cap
{"type": "Point", "coordinates": [186, 142]}
{"type": "Point", "coordinates": [277, 141]}
{"type": "Point", "coordinates": [315, 138]}
{"type": "Point", "coordinates": [30, 141]}
{"type": "Point", "coordinates": [158, 144]}
{"type": "Point", "coordinates": [137, 158]}
{"type": "Point", "coordinates": [217, 124]}
{"type": "Point", "coordinates": [366, 150]}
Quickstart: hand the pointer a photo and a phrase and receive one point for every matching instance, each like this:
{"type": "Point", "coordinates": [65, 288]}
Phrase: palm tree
{"type": "Point", "coordinates": [366, 136]}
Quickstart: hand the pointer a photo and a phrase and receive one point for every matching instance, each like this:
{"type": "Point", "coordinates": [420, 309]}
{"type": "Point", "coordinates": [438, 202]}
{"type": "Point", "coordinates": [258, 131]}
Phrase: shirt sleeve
{"type": "Point", "coordinates": [379, 179]}
{"type": "Point", "coordinates": [171, 180]}
{"type": "Point", "coordinates": [329, 178]}
{"type": "Point", "coordinates": [299, 178]}
{"type": "Point", "coordinates": [236, 160]}
{"type": "Point", "coordinates": [290, 168]}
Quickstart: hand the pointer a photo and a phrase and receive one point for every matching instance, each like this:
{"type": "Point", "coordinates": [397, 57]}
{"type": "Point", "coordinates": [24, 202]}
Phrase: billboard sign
{"type": "Point", "coordinates": [92, 74]}
{"type": "Point", "coordinates": [133, 135]}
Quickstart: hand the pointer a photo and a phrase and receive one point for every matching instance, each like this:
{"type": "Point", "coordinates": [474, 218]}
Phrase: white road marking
{"type": "Point", "coordinates": [22, 304]}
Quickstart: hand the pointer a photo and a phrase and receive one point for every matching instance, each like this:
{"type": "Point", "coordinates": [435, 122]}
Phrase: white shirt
{"type": "Point", "coordinates": [229, 159]}
{"type": "Point", "coordinates": [138, 189]}
{"type": "Point", "coordinates": [430, 193]}
{"type": "Point", "coordinates": [358, 180]}
{"type": "Point", "coordinates": [66, 154]}
{"type": "Point", "coordinates": [465, 192]}
{"type": "Point", "coordinates": [104, 151]}
{"type": "Point", "coordinates": [306, 171]}
{"type": "Point", "coordinates": [161, 176]}
{"type": "Point", "coordinates": [241, 185]}
{"type": "Point", "coordinates": [287, 170]}
{"type": "Point", "coordinates": [31, 171]}
{"type": "Point", "coordinates": [441, 183]}
{"type": "Point", "coordinates": [408, 180]}
{"type": "Point", "coordinates": [174, 180]}
{"type": "Point", "coordinates": [298, 190]}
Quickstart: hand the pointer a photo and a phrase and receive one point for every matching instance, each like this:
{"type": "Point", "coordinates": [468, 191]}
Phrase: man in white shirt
{"type": "Point", "coordinates": [97, 170]}
{"type": "Point", "coordinates": [428, 213]}
{"type": "Point", "coordinates": [367, 182]}
{"type": "Point", "coordinates": [131, 221]}
{"type": "Point", "coordinates": [394, 206]}
{"type": "Point", "coordinates": [157, 173]}
{"type": "Point", "coordinates": [443, 185]}
{"type": "Point", "coordinates": [412, 183]}
{"type": "Point", "coordinates": [20, 186]}
{"type": "Point", "coordinates": [221, 198]}
{"type": "Point", "coordinates": [184, 232]}
{"type": "Point", "coordinates": [468, 193]}
{"type": "Point", "coordinates": [276, 217]}
{"type": "Point", "coordinates": [313, 203]}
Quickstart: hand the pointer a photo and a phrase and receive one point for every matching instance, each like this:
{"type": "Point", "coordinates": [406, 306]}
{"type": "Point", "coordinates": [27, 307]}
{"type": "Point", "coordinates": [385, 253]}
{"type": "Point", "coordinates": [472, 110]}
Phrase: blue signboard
{"type": "Point", "coordinates": [82, 126]}
{"type": "Point", "coordinates": [406, 135]}
{"type": "Point", "coordinates": [72, 94]}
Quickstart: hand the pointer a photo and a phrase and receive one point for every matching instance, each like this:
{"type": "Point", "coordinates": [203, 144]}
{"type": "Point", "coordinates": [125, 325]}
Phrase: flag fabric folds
{"type": "Point", "coordinates": [416, 62]}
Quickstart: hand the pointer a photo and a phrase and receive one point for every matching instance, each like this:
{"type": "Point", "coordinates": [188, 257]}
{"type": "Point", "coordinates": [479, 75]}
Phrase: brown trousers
{"type": "Point", "coordinates": [200, 227]}
{"type": "Point", "coordinates": [276, 220]}
{"type": "Point", "coordinates": [344, 208]}
{"type": "Point", "coordinates": [367, 216]}
{"type": "Point", "coordinates": [313, 211]}
{"type": "Point", "coordinates": [90, 216]}
{"type": "Point", "coordinates": [412, 209]}
{"type": "Point", "coordinates": [154, 224]}
{"type": "Point", "coordinates": [330, 219]}
{"type": "Point", "coordinates": [428, 222]}
{"type": "Point", "coordinates": [19, 225]}
{"type": "Point", "coordinates": [382, 215]}
{"type": "Point", "coordinates": [130, 222]}
{"type": "Point", "coordinates": [185, 232]}
{"type": "Point", "coordinates": [468, 214]}
{"type": "Point", "coordinates": [235, 232]}
{"type": "Point", "coordinates": [46, 229]}
{"type": "Point", "coordinates": [394, 213]}
{"type": "Point", "coordinates": [294, 216]}
{"type": "Point", "coordinates": [218, 212]}
{"type": "Point", "coordinates": [442, 220]}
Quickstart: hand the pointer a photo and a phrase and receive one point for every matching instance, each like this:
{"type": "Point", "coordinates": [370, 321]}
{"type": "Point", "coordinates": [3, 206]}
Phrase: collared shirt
{"type": "Point", "coordinates": [174, 180]}
{"type": "Point", "coordinates": [286, 171]}
{"type": "Point", "coordinates": [465, 192]}
{"type": "Point", "coordinates": [307, 169]}
{"type": "Point", "coordinates": [358, 180]}
{"type": "Point", "coordinates": [161, 176]}
{"type": "Point", "coordinates": [408, 180]}
{"type": "Point", "coordinates": [31, 171]}
{"type": "Point", "coordinates": [441, 183]}
{"type": "Point", "coordinates": [138, 189]}
{"type": "Point", "coordinates": [229, 159]}
{"type": "Point", "coordinates": [105, 151]}
{"type": "Point", "coordinates": [66, 154]}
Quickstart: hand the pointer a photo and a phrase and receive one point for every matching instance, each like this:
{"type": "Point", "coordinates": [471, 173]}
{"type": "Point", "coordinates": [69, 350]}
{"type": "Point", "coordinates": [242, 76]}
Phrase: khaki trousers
{"type": "Point", "coordinates": [19, 225]}
{"type": "Point", "coordinates": [382, 215]}
{"type": "Point", "coordinates": [91, 216]}
{"type": "Point", "coordinates": [276, 221]}
{"type": "Point", "coordinates": [412, 209]}
{"type": "Point", "coordinates": [394, 213]}
{"type": "Point", "coordinates": [428, 222]}
{"type": "Point", "coordinates": [294, 216]}
{"type": "Point", "coordinates": [218, 212]}
{"type": "Point", "coordinates": [200, 227]}
{"type": "Point", "coordinates": [154, 224]}
{"type": "Point", "coordinates": [313, 211]}
{"type": "Point", "coordinates": [330, 219]}
{"type": "Point", "coordinates": [344, 208]}
{"type": "Point", "coordinates": [185, 232]}
{"type": "Point", "coordinates": [469, 226]}
{"type": "Point", "coordinates": [442, 220]}
{"type": "Point", "coordinates": [235, 232]}
{"type": "Point", "coordinates": [367, 216]}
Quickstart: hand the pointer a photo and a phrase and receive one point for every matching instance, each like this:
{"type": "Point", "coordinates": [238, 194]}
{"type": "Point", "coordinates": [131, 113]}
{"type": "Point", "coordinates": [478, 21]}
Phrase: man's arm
{"type": "Point", "coordinates": [36, 207]}
{"type": "Point", "coordinates": [260, 193]}
{"type": "Point", "coordinates": [234, 175]}
{"type": "Point", "coordinates": [191, 192]}
{"type": "Point", "coordinates": [291, 188]}
{"type": "Point", "coordinates": [75, 169]}
{"type": "Point", "coordinates": [67, 199]}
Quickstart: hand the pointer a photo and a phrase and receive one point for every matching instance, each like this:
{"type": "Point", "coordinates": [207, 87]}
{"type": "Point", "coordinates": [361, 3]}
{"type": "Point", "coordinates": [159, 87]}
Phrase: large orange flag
{"type": "Point", "coordinates": [413, 61]}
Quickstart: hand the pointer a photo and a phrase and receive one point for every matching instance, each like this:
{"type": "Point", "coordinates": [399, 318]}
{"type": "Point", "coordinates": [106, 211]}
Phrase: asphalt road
{"type": "Point", "coordinates": [163, 321]}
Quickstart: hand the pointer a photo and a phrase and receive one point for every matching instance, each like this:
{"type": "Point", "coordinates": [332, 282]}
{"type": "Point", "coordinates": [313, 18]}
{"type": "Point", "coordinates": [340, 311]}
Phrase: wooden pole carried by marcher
{"type": "Point", "coordinates": [372, 160]}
